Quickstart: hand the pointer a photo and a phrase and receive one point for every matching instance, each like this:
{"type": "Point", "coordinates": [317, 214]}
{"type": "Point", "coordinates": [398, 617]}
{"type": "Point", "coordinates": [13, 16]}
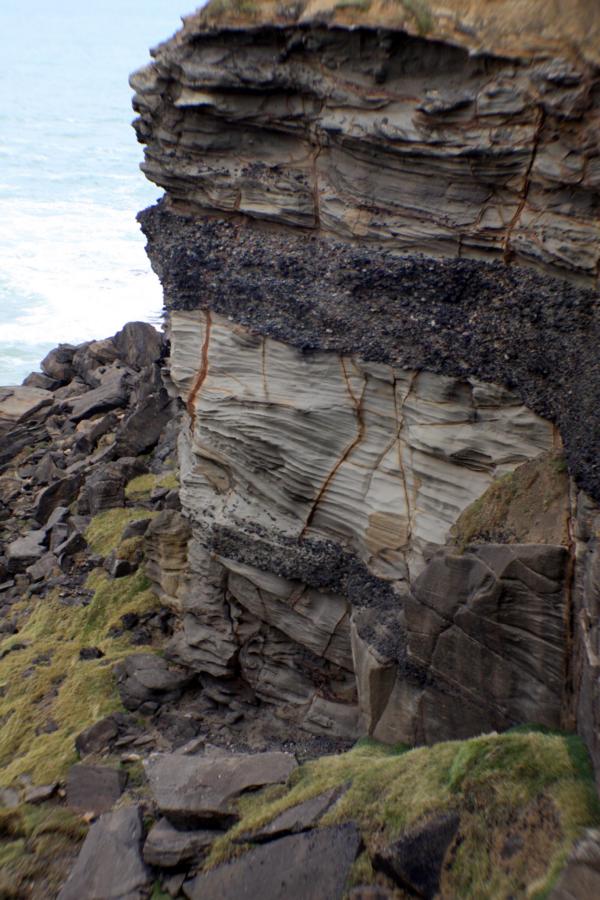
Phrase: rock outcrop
{"type": "Point", "coordinates": [379, 255]}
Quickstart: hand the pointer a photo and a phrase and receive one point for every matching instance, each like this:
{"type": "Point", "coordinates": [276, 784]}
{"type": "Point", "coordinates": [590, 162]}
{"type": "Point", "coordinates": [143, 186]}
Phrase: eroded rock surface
{"type": "Point", "coordinates": [378, 136]}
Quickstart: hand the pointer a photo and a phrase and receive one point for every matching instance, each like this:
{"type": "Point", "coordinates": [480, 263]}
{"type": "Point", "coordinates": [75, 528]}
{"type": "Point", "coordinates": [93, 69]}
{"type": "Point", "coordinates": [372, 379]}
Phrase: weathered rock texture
{"type": "Point", "coordinates": [350, 411]}
{"type": "Point", "coordinates": [381, 137]}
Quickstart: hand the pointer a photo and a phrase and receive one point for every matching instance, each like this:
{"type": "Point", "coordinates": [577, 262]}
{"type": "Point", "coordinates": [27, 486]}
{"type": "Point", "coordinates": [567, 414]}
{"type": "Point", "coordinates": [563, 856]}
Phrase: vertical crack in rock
{"type": "Point", "coordinates": [507, 252]}
{"type": "Point", "coordinates": [360, 430]}
{"type": "Point", "coordinates": [202, 372]}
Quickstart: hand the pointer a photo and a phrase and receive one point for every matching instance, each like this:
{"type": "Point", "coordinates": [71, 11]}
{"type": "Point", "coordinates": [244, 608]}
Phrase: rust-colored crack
{"type": "Point", "coordinates": [202, 373]}
{"type": "Point", "coordinates": [506, 249]}
{"type": "Point", "coordinates": [359, 436]}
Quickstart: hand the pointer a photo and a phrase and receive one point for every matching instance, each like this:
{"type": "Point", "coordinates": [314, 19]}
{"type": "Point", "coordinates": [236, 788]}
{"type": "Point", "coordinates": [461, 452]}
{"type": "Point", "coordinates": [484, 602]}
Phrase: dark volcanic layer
{"type": "Point", "coordinates": [533, 333]}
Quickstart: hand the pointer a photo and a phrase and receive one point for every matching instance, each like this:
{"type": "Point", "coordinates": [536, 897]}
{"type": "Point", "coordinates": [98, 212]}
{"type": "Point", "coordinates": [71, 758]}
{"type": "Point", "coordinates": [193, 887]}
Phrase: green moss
{"type": "Point", "coordinates": [65, 691]}
{"type": "Point", "coordinates": [104, 532]}
{"type": "Point", "coordinates": [141, 487]}
{"type": "Point", "coordinates": [45, 840]}
{"type": "Point", "coordinates": [536, 784]}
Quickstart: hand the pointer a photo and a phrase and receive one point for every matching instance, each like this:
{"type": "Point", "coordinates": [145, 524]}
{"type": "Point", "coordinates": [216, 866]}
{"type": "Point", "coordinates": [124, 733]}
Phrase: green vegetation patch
{"type": "Point", "coordinates": [47, 693]}
{"type": "Point", "coordinates": [528, 505]}
{"type": "Point", "coordinates": [141, 487]}
{"type": "Point", "coordinates": [104, 532]}
{"type": "Point", "coordinates": [530, 791]}
{"type": "Point", "coordinates": [37, 844]}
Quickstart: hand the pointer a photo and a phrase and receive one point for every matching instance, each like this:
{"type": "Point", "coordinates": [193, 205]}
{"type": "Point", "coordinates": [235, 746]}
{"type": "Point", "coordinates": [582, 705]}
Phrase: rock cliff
{"type": "Point", "coordinates": [379, 253]}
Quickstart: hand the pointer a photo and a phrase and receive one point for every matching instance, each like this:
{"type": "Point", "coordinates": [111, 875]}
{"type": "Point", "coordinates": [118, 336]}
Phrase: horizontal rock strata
{"type": "Point", "coordinates": [360, 249]}
{"type": "Point", "coordinates": [379, 137]}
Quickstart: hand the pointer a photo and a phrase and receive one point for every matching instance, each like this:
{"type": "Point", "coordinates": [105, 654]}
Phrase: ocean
{"type": "Point", "coordinates": [72, 260]}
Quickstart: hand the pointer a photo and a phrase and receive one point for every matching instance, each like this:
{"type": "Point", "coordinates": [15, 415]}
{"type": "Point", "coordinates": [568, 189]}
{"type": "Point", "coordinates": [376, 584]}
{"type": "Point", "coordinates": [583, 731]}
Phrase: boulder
{"type": "Point", "coordinates": [138, 344]}
{"type": "Point", "coordinates": [26, 550]}
{"type": "Point", "coordinates": [58, 493]}
{"type": "Point", "coordinates": [94, 789]}
{"type": "Point", "coordinates": [112, 393]}
{"type": "Point", "coordinates": [97, 737]}
{"type": "Point", "coordinates": [191, 789]}
{"type": "Point", "coordinates": [145, 681]}
{"type": "Point", "coordinates": [40, 793]}
{"type": "Point", "coordinates": [309, 866]}
{"type": "Point", "coordinates": [415, 861]}
{"type": "Point", "coordinates": [18, 403]}
{"type": "Point", "coordinates": [104, 489]}
{"type": "Point", "coordinates": [168, 847]}
{"type": "Point", "coordinates": [110, 864]}
{"type": "Point", "coordinates": [58, 364]}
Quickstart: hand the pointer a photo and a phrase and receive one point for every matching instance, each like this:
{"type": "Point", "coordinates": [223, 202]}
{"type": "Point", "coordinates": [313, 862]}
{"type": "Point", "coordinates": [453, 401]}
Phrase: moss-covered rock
{"type": "Point", "coordinates": [522, 799]}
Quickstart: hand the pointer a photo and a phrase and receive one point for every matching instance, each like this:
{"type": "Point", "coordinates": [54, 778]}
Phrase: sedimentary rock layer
{"type": "Point", "coordinates": [379, 137]}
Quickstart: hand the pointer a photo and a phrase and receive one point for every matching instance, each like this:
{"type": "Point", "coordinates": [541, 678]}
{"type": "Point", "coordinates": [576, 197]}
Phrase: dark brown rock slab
{"type": "Point", "coordinates": [415, 861]}
{"type": "Point", "coordinates": [59, 493]}
{"type": "Point", "coordinates": [203, 789]}
{"type": "Point", "coordinates": [94, 788]}
{"type": "Point", "coordinates": [168, 847]}
{"type": "Point", "coordinates": [110, 864]}
{"type": "Point", "coordinates": [138, 344]}
{"type": "Point", "coordinates": [298, 818]}
{"type": "Point", "coordinates": [309, 866]}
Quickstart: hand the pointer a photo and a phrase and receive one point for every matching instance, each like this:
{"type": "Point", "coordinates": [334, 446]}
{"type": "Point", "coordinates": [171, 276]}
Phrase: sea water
{"type": "Point", "coordinates": [72, 260]}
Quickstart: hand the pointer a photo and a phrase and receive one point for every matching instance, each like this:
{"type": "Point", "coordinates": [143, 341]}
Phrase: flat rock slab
{"type": "Point", "coordinates": [311, 866]}
{"type": "Point", "coordinates": [18, 402]}
{"type": "Point", "coordinates": [190, 789]}
{"type": "Point", "coordinates": [415, 861]}
{"type": "Point", "coordinates": [110, 865]}
{"type": "Point", "coordinates": [296, 819]}
{"type": "Point", "coordinates": [167, 847]}
{"type": "Point", "coordinates": [94, 788]}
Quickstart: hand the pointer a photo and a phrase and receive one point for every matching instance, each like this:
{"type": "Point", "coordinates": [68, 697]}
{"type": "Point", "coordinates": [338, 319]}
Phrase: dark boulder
{"type": "Point", "coordinates": [138, 344]}
{"type": "Point", "coordinates": [415, 861]}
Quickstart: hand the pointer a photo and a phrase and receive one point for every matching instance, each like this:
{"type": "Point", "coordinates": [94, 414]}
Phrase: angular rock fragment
{"type": "Point", "coordinates": [415, 861]}
{"type": "Point", "coordinates": [110, 865]}
{"type": "Point", "coordinates": [168, 847]}
{"type": "Point", "coordinates": [308, 866]}
{"type": "Point", "coordinates": [299, 818]}
{"type": "Point", "coordinates": [58, 493]}
{"type": "Point", "coordinates": [146, 680]}
{"type": "Point", "coordinates": [200, 789]}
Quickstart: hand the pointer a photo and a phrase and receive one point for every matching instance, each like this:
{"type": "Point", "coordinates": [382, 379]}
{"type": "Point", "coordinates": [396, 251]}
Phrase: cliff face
{"type": "Point", "coordinates": [359, 248]}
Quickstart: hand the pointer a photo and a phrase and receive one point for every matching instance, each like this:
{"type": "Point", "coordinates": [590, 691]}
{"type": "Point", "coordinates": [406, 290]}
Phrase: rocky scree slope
{"type": "Point", "coordinates": [360, 244]}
